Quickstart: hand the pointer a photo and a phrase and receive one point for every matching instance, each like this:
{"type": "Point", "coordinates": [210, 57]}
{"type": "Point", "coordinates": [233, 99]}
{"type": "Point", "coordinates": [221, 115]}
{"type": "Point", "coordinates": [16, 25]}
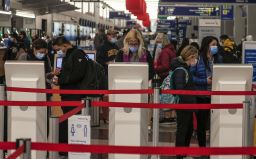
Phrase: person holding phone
{"type": "Point", "coordinates": [202, 77]}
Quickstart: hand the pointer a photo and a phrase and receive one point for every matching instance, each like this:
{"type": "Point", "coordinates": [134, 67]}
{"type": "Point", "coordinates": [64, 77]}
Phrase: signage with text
{"type": "Point", "coordinates": [227, 12]}
{"type": "Point", "coordinates": [165, 11]}
{"type": "Point", "coordinates": [210, 1]}
{"type": "Point", "coordinates": [117, 15]}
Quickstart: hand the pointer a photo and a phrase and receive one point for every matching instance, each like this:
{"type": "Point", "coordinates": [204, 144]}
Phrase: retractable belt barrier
{"type": "Point", "coordinates": [172, 106]}
{"type": "Point", "coordinates": [146, 91]}
{"type": "Point", "coordinates": [80, 105]}
{"type": "Point", "coordinates": [17, 153]}
{"type": "Point", "coordinates": [144, 150]}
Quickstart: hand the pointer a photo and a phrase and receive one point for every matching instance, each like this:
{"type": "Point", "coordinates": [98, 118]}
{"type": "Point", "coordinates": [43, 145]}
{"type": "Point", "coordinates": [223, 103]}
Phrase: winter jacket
{"type": "Point", "coordinates": [163, 64]}
{"type": "Point", "coordinates": [73, 70]}
{"type": "Point", "coordinates": [146, 58]}
{"type": "Point", "coordinates": [180, 82]}
{"type": "Point", "coordinates": [200, 74]}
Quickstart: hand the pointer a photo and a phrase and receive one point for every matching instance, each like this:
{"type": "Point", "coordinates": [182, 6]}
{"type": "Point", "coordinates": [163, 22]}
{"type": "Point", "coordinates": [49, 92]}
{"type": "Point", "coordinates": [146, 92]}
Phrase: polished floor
{"type": "Point", "coordinates": [166, 138]}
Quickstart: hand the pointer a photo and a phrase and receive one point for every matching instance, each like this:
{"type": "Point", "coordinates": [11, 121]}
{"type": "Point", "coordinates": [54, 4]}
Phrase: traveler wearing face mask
{"type": "Point", "coordinates": [202, 76]}
{"type": "Point", "coordinates": [108, 51]}
{"type": "Point", "coordinates": [183, 80]}
{"type": "Point", "coordinates": [39, 52]}
{"type": "Point", "coordinates": [134, 51]}
{"type": "Point", "coordinates": [69, 77]}
{"type": "Point", "coordinates": [164, 54]}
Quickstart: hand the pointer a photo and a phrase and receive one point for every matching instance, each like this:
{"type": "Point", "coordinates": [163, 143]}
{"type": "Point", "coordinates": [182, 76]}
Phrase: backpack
{"type": "Point", "coordinates": [232, 55]}
{"type": "Point", "coordinates": [168, 84]}
{"type": "Point", "coordinates": [95, 77]}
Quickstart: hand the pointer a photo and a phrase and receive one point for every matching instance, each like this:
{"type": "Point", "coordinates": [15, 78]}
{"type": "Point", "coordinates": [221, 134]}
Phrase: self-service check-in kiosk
{"type": "Point", "coordinates": [128, 126]}
{"type": "Point", "coordinates": [27, 122]}
{"type": "Point", "coordinates": [229, 126]}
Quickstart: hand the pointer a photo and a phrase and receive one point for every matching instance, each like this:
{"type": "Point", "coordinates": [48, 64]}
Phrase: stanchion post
{"type": "Point", "coordinates": [27, 147]}
{"type": "Point", "coordinates": [53, 135]}
{"type": "Point", "coordinates": [156, 100]}
{"type": "Point", "coordinates": [246, 123]}
{"type": "Point", "coordinates": [2, 97]}
{"type": "Point", "coordinates": [87, 104]}
{"type": "Point", "coordinates": [27, 153]}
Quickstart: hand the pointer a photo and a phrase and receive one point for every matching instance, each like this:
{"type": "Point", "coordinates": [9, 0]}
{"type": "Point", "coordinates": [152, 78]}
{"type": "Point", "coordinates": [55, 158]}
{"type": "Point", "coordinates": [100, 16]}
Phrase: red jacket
{"type": "Point", "coordinates": [162, 66]}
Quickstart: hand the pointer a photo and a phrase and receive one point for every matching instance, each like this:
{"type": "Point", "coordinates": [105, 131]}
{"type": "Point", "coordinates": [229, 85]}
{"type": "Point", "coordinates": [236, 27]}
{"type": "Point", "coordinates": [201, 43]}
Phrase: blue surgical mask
{"type": "Point", "coordinates": [113, 40]}
{"type": "Point", "coordinates": [159, 45]}
{"type": "Point", "coordinates": [40, 56]}
{"type": "Point", "coordinates": [133, 49]}
{"type": "Point", "coordinates": [214, 50]}
{"type": "Point", "coordinates": [60, 53]}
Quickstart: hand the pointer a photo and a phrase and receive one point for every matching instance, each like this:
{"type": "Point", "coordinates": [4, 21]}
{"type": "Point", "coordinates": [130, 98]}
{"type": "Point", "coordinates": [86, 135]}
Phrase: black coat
{"type": "Point", "coordinates": [73, 71]}
{"type": "Point", "coordinates": [180, 83]}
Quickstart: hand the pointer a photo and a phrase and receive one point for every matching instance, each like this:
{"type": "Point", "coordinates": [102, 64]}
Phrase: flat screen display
{"type": "Point", "coordinates": [91, 56]}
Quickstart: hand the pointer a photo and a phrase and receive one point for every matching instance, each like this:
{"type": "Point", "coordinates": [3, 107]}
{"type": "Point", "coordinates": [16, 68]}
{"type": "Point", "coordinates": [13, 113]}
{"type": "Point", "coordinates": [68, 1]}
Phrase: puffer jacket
{"type": "Point", "coordinates": [180, 82]}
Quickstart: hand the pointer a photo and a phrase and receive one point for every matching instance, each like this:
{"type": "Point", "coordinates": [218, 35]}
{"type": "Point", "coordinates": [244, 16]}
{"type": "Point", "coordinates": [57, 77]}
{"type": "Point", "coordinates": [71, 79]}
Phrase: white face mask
{"type": "Point", "coordinates": [39, 56]}
{"type": "Point", "coordinates": [194, 63]}
{"type": "Point", "coordinates": [60, 53]}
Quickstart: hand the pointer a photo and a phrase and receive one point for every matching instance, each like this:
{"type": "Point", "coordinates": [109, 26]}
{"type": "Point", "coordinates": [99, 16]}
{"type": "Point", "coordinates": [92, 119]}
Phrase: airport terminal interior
{"type": "Point", "coordinates": [127, 79]}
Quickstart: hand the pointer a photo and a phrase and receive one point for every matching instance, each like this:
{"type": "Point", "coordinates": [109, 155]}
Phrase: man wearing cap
{"type": "Point", "coordinates": [108, 51]}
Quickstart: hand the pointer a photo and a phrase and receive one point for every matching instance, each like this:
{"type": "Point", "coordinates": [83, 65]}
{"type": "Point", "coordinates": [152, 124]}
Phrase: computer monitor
{"type": "Point", "coordinates": [91, 56]}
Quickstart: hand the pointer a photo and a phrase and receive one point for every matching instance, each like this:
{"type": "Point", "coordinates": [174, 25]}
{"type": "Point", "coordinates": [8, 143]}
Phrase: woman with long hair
{"type": "Point", "coordinates": [202, 77]}
{"type": "Point", "coordinates": [134, 51]}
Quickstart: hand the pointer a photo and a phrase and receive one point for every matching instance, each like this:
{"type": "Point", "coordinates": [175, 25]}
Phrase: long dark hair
{"type": "Point", "coordinates": [205, 46]}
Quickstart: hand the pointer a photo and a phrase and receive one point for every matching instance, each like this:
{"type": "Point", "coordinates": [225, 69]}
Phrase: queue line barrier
{"type": "Point", "coordinates": [80, 105]}
{"type": "Point", "coordinates": [17, 153]}
{"type": "Point", "coordinates": [142, 150]}
{"type": "Point", "coordinates": [143, 91]}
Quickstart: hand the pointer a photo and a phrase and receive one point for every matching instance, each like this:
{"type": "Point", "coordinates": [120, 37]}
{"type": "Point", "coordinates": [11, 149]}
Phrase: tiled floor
{"type": "Point", "coordinates": [166, 138]}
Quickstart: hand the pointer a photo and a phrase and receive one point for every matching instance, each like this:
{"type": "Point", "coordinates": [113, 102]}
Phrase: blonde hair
{"type": "Point", "coordinates": [134, 35]}
{"type": "Point", "coordinates": [161, 37]}
{"type": "Point", "coordinates": [188, 51]}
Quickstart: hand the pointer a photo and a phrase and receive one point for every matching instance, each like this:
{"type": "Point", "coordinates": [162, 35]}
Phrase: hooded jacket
{"type": "Point", "coordinates": [180, 82]}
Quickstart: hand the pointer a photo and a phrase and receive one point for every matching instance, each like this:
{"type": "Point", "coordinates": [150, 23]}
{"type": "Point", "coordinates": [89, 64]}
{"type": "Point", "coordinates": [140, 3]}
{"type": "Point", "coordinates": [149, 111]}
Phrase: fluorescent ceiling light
{"type": "Point", "coordinates": [25, 14]}
{"type": "Point", "coordinates": [4, 12]}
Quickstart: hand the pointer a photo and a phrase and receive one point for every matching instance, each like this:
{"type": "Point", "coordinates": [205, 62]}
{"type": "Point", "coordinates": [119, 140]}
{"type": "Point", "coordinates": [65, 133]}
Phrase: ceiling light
{"type": "Point", "coordinates": [4, 12]}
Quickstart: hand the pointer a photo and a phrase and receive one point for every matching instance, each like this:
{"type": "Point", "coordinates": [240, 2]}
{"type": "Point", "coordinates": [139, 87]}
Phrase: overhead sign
{"type": "Point", "coordinates": [210, 1]}
{"type": "Point", "coordinates": [127, 16]}
{"type": "Point", "coordinates": [130, 24]}
{"type": "Point", "coordinates": [117, 15]}
{"type": "Point", "coordinates": [174, 22]}
{"type": "Point", "coordinates": [209, 22]}
{"type": "Point", "coordinates": [227, 12]}
{"type": "Point", "coordinates": [165, 11]}
{"type": "Point", "coordinates": [209, 27]}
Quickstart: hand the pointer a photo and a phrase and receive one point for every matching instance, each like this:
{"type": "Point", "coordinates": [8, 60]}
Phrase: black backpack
{"type": "Point", "coordinates": [95, 77]}
{"type": "Point", "coordinates": [231, 56]}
